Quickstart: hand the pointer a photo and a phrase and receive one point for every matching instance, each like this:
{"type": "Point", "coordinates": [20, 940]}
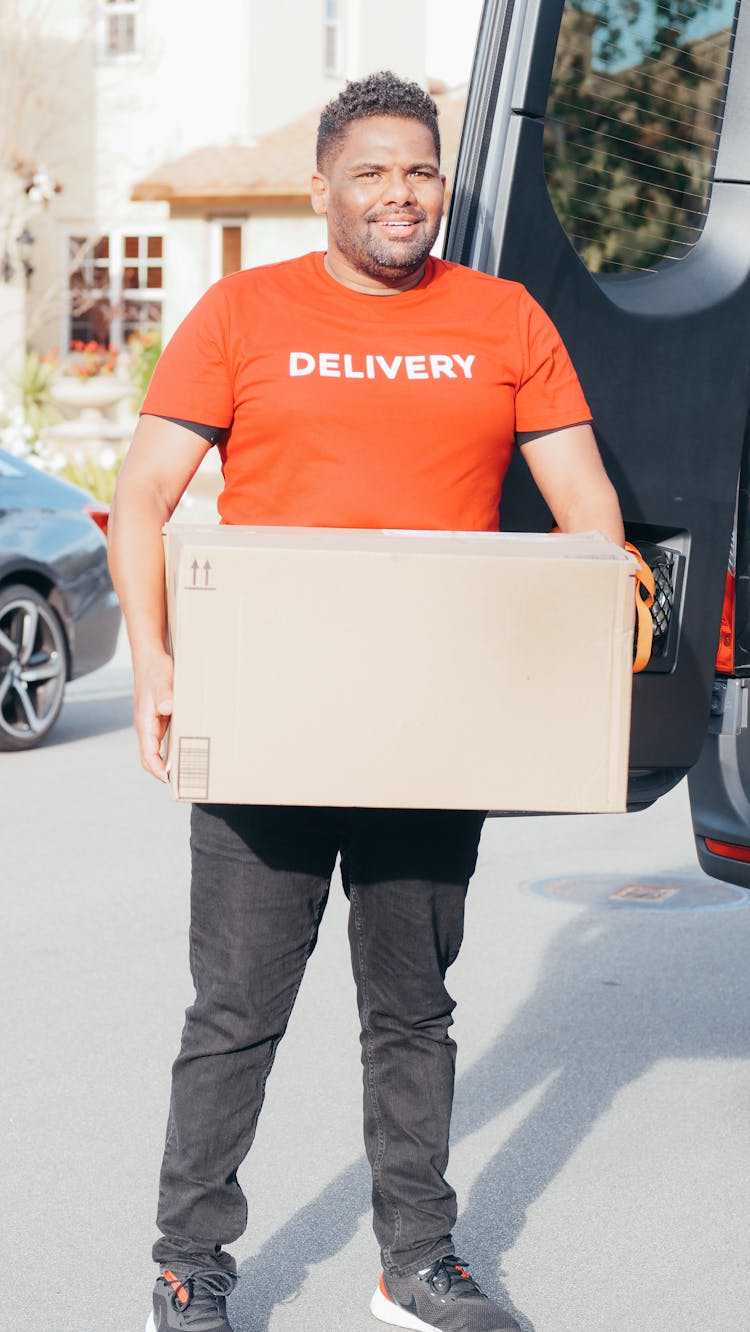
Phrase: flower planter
{"type": "Point", "coordinates": [96, 395]}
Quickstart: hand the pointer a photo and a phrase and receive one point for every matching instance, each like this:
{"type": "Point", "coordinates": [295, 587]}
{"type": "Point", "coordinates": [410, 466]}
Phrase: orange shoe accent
{"type": "Point", "coordinates": [383, 1290]}
{"type": "Point", "coordinates": [182, 1294]}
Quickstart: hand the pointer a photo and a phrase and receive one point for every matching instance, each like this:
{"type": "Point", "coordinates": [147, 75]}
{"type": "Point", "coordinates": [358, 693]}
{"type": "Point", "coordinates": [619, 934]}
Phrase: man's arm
{"type": "Point", "coordinates": [160, 463]}
{"type": "Point", "coordinates": [570, 475]}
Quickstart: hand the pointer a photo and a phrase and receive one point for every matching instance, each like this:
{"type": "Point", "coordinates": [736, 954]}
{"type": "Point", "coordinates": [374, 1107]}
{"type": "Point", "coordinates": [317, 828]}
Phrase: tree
{"type": "Point", "coordinates": [45, 54]}
{"type": "Point", "coordinates": [32, 100]}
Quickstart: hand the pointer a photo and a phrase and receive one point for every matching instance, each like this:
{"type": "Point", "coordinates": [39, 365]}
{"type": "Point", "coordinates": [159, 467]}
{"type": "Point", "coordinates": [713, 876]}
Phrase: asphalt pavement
{"type": "Point", "coordinates": [600, 1144]}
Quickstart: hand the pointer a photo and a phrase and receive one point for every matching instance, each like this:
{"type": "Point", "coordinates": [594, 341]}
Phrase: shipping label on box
{"type": "Point", "coordinates": [399, 669]}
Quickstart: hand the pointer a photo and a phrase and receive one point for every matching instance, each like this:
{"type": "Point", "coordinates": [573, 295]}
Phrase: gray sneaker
{"type": "Point", "coordinates": [191, 1299]}
{"type": "Point", "coordinates": [441, 1298]}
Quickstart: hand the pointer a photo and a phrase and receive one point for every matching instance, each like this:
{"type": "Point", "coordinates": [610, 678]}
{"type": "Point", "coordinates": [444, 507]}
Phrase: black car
{"type": "Point", "coordinates": [59, 616]}
{"type": "Point", "coordinates": [605, 164]}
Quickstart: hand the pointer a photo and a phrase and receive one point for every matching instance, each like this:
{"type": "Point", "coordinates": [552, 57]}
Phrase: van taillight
{"type": "Point", "coordinates": [725, 654]}
{"type": "Point", "coordinates": [730, 850]}
{"type": "Point", "coordinates": [100, 517]}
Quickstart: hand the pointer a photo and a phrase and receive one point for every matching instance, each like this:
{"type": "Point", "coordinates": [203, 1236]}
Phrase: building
{"type": "Point", "coordinates": [97, 95]}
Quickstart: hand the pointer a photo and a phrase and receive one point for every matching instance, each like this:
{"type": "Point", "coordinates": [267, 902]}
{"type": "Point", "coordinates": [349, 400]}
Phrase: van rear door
{"type": "Point", "coordinates": [605, 163]}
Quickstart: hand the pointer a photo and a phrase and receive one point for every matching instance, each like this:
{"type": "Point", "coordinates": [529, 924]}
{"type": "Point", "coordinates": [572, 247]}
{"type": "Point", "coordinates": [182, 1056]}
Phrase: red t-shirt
{"type": "Point", "coordinates": [349, 410]}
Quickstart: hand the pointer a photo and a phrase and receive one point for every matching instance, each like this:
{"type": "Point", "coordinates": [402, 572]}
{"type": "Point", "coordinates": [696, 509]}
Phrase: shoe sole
{"type": "Point", "coordinates": [388, 1312]}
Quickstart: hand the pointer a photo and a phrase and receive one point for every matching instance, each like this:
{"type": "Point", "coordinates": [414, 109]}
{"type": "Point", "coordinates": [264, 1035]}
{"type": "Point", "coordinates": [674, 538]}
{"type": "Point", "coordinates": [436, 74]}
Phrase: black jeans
{"type": "Point", "coordinates": [261, 877]}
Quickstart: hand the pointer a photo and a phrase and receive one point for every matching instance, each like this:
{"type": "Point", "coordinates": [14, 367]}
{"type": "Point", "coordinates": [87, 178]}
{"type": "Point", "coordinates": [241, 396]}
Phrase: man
{"type": "Point", "coordinates": [373, 386]}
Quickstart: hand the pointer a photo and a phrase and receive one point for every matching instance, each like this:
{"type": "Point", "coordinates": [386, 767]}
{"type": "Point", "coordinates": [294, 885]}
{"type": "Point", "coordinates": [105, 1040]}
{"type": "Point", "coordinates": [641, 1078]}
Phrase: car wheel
{"type": "Point", "coordinates": [33, 661]}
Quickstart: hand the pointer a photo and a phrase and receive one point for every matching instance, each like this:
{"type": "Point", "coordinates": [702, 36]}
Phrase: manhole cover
{"type": "Point", "coordinates": [644, 892]}
{"type": "Point", "coordinates": [656, 892]}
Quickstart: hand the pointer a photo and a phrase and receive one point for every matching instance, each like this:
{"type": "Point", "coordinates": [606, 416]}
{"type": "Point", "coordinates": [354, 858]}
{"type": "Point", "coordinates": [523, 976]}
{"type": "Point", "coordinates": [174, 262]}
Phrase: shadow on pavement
{"type": "Point", "coordinates": [617, 994]}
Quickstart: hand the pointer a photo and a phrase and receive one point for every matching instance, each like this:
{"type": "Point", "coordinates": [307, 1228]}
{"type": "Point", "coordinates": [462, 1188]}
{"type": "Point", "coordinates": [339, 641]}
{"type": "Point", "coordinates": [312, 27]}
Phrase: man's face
{"type": "Point", "coordinates": [383, 197]}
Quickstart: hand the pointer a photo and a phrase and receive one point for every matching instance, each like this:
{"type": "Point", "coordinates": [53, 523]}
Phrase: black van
{"type": "Point", "coordinates": [605, 163]}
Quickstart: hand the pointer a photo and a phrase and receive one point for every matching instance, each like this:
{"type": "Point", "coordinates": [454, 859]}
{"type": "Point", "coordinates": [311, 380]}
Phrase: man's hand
{"type": "Point", "coordinates": [153, 709]}
{"type": "Point", "coordinates": [161, 460]}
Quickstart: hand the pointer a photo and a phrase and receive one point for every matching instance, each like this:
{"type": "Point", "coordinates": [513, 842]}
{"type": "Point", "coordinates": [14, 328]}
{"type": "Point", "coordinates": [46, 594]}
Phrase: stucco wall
{"type": "Point", "coordinates": [273, 232]}
{"type": "Point", "coordinates": [287, 76]}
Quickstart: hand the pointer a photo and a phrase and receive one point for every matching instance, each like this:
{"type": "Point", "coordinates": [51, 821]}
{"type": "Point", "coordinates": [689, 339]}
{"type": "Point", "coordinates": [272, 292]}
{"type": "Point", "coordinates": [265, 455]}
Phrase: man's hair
{"type": "Point", "coordinates": [382, 94]}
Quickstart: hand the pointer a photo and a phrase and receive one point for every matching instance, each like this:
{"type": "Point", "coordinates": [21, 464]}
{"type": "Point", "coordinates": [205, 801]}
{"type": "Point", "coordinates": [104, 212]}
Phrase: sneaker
{"type": "Point", "coordinates": [441, 1298]}
{"type": "Point", "coordinates": [191, 1298]}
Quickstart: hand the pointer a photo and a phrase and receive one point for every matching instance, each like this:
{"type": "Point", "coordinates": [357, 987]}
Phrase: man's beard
{"type": "Point", "coordinates": [379, 257]}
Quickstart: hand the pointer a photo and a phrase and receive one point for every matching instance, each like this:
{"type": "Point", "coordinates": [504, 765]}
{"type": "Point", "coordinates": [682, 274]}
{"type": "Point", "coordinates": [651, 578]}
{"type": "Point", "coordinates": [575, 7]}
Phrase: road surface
{"type": "Point", "coordinates": [600, 1145]}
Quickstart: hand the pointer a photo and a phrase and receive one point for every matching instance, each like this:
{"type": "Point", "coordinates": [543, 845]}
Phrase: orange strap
{"type": "Point", "coordinates": [644, 600]}
{"type": "Point", "coordinates": [645, 589]}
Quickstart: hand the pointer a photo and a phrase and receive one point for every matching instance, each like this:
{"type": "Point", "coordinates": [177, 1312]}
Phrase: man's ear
{"type": "Point", "coordinates": [319, 194]}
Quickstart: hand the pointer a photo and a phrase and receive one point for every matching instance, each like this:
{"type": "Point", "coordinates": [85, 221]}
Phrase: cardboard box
{"type": "Point", "coordinates": [401, 669]}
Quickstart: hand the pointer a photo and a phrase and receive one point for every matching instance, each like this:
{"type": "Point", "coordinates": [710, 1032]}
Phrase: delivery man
{"type": "Point", "coordinates": [371, 386]}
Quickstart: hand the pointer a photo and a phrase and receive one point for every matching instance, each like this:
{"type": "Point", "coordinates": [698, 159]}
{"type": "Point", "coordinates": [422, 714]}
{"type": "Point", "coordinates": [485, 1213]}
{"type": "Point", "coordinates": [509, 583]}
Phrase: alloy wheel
{"type": "Point", "coordinates": [32, 667]}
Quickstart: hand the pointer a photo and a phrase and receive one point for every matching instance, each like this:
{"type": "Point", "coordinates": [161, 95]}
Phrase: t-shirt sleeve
{"type": "Point", "coordinates": [548, 395]}
{"type": "Point", "coordinates": [193, 376]}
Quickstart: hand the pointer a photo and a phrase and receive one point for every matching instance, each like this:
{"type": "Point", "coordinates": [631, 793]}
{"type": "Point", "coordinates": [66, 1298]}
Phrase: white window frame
{"type": "Point", "coordinates": [333, 40]}
{"type": "Point", "coordinates": [116, 10]}
{"type": "Point", "coordinates": [122, 293]}
{"type": "Point", "coordinates": [117, 264]}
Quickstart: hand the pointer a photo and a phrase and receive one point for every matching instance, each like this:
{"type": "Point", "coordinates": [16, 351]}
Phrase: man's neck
{"type": "Point", "coordinates": [366, 285]}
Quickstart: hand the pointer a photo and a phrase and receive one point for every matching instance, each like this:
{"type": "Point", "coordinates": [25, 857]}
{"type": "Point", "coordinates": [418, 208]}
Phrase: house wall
{"type": "Point", "coordinates": [287, 75]}
{"type": "Point", "coordinates": [391, 35]}
{"type": "Point", "coordinates": [273, 230]}
{"type": "Point", "coordinates": [187, 88]}
{"type": "Point", "coordinates": [188, 262]}
{"type": "Point", "coordinates": [282, 231]}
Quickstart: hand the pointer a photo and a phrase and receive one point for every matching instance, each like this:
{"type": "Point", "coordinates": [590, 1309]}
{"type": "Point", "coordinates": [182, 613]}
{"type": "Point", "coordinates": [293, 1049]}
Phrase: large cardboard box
{"type": "Point", "coordinates": [399, 669]}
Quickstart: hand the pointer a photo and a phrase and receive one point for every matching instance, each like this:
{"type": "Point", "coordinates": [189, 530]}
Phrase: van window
{"type": "Point", "coordinates": [632, 126]}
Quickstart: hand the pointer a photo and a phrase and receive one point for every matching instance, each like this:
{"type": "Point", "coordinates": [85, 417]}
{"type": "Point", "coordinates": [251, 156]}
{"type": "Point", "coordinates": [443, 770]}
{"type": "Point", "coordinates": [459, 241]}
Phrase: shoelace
{"type": "Point", "coordinates": [203, 1287]}
{"type": "Point", "coordinates": [450, 1271]}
